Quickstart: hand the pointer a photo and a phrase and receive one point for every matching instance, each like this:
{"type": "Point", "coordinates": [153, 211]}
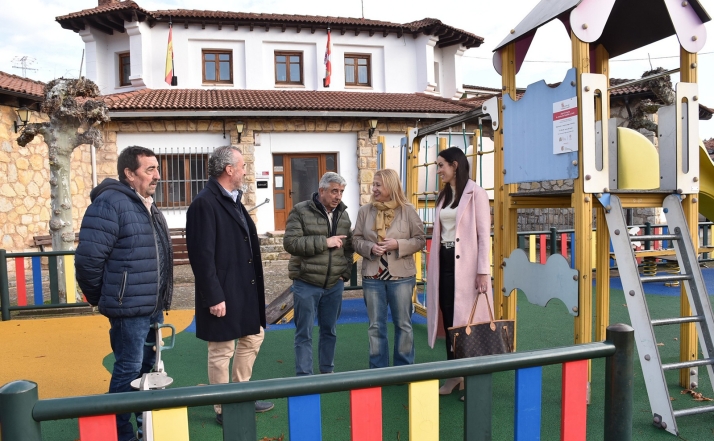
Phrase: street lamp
{"type": "Point", "coordinates": [239, 129]}
{"type": "Point", "coordinates": [372, 127]}
{"type": "Point", "coordinates": [24, 114]}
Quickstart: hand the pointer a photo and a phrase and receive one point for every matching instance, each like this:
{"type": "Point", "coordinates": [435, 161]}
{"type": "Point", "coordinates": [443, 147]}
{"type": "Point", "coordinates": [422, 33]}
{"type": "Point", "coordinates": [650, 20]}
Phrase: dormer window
{"type": "Point", "coordinates": [124, 69]}
{"type": "Point", "coordinates": [217, 66]}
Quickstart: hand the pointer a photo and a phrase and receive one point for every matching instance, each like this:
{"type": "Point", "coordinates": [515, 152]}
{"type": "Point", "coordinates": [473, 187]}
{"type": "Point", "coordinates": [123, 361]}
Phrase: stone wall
{"type": "Point", "coordinates": [24, 186]}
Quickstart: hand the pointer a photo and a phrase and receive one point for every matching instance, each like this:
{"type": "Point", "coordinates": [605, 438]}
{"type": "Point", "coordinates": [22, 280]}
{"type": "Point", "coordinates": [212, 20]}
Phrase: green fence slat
{"type": "Point", "coordinates": [4, 287]}
{"type": "Point", "coordinates": [54, 280]}
{"type": "Point", "coordinates": [477, 408]}
{"type": "Point", "coordinates": [239, 422]}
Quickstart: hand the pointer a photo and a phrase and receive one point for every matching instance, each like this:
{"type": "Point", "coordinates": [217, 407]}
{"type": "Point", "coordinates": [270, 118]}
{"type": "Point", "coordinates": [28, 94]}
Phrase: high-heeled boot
{"type": "Point", "coordinates": [451, 384]}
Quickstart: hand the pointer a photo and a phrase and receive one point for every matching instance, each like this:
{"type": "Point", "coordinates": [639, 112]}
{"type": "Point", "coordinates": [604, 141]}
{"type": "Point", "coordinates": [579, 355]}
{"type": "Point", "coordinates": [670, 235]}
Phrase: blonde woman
{"type": "Point", "coordinates": [387, 233]}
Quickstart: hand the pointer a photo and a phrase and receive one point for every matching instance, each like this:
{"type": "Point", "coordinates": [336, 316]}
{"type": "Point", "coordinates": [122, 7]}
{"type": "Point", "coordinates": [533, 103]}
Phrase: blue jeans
{"type": "Point", "coordinates": [133, 358]}
{"type": "Point", "coordinates": [397, 295]}
{"type": "Point", "coordinates": [312, 302]}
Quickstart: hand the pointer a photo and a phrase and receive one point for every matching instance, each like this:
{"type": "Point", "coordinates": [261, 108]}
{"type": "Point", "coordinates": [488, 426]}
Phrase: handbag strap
{"type": "Point", "coordinates": [473, 309]}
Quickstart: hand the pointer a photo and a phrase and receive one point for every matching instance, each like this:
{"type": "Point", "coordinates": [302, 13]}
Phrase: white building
{"type": "Point", "coordinates": [265, 72]}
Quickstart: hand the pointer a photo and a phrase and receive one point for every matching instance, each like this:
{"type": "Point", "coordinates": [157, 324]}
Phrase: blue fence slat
{"type": "Point", "coordinates": [528, 404]}
{"type": "Point", "coordinates": [304, 420]}
{"type": "Point", "coordinates": [37, 280]}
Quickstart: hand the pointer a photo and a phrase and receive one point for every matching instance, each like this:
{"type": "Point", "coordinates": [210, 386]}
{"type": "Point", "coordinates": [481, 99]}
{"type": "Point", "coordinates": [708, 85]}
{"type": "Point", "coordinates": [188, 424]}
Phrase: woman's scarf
{"type": "Point", "coordinates": [385, 216]}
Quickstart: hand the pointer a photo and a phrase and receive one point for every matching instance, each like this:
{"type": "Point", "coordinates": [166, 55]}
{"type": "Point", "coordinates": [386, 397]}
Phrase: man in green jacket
{"type": "Point", "coordinates": [319, 239]}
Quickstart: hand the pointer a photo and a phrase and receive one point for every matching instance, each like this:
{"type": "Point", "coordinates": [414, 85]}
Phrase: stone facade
{"type": "Point", "coordinates": [24, 186]}
{"type": "Point", "coordinates": [366, 148]}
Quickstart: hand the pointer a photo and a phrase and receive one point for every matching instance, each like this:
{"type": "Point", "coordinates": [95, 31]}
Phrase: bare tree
{"type": "Point", "coordinates": [74, 115]}
{"type": "Point", "coordinates": [663, 90]}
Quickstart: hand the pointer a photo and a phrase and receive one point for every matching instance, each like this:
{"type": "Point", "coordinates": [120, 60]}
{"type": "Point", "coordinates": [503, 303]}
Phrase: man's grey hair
{"type": "Point", "coordinates": [220, 159]}
{"type": "Point", "coordinates": [331, 178]}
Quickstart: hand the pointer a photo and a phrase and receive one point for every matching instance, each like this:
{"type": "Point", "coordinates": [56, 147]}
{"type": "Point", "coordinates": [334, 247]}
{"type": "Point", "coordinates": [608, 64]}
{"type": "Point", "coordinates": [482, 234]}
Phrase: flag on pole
{"type": "Point", "coordinates": [169, 74]}
{"type": "Point", "coordinates": [328, 62]}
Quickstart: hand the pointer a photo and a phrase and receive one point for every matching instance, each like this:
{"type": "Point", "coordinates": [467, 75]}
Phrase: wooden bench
{"type": "Point", "coordinates": [46, 241]}
{"type": "Point", "coordinates": [178, 242]}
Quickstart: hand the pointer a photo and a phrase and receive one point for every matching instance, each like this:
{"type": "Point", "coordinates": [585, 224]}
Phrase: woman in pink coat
{"type": "Point", "coordinates": [460, 245]}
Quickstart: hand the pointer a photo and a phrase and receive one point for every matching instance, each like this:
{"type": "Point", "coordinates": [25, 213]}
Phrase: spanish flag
{"type": "Point", "coordinates": [170, 78]}
{"type": "Point", "coordinates": [328, 61]}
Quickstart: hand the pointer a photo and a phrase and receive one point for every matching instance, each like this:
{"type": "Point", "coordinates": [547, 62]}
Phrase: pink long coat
{"type": "Point", "coordinates": [473, 231]}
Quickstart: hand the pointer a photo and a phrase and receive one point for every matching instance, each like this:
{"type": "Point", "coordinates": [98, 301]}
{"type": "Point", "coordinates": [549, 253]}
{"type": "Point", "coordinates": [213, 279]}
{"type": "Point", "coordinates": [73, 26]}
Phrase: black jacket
{"type": "Point", "coordinates": [225, 259]}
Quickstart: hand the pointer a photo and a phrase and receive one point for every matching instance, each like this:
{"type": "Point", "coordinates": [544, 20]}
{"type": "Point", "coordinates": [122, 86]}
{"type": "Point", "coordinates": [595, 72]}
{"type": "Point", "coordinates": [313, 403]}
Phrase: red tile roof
{"type": "Point", "coordinates": [627, 90]}
{"type": "Point", "coordinates": [105, 17]}
{"type": "Point", "coordinates": [261, 18]}
{"type": "Point", "coordinates": [705, 113]}
{"type": "Point", "coordinates": [280, 100]}
{"type": "Point", "coordinates": [101, 9]}
{"type": "Point", "coordinates": [709, 145]}
{"type": "Point", "coordinates": [13, 83]}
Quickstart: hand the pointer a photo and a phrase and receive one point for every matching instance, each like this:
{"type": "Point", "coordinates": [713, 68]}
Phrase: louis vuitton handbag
{"type": "Point", "coordinates": [485, 338]}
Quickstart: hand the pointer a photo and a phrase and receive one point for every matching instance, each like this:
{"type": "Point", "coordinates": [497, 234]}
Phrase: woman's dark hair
{"type": "Point", "coordinates": [455, 156]}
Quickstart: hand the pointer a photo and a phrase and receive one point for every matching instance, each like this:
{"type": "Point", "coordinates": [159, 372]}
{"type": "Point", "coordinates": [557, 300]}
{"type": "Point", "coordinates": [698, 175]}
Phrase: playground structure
{"type": "Point", "coordinates": [565, 133]}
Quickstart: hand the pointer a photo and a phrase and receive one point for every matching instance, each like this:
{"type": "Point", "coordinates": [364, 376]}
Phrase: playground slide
{"type": "Point", "coordinates": [706, 183]}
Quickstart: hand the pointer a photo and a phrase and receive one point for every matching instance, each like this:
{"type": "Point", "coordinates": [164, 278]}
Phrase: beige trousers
{"type": "Point", "coordinates": [244, 355]}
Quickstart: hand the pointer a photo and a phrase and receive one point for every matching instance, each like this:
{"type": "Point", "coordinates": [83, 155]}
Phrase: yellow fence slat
{"type": "Point", "coordinates": [424, 411]}
{"type": "Point", "coordinates": [69, 279]}
{"type": "Point", "coordinates": [171, 424]}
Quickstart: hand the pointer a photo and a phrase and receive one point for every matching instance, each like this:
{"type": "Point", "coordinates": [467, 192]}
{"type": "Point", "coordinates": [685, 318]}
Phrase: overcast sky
{"type": "Point", "coordinates": [29, 29]}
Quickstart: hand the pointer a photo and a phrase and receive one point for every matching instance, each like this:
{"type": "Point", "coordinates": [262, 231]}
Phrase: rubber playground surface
{"type": "Point", "coordinates": [71, 356]}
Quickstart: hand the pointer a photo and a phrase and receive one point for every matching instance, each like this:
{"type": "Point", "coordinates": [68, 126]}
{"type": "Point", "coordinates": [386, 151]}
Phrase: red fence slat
{"type": "Point", "coordinates": [20, 278]}
{"type": "Point", "coordinates": [366, 414]}
{"type": "Point", "coordinates": [573, 414]}
{"type": "Point", "coordinates": [98, 428]}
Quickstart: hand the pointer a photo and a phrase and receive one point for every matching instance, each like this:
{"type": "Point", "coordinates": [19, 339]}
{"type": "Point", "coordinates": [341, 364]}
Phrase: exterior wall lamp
{"type": "Point", "coordinates": [372, 127]}
{"type": "Point", "coordinates": [24, 114]}
{"type": "Point", "coordinates": [239, 129]}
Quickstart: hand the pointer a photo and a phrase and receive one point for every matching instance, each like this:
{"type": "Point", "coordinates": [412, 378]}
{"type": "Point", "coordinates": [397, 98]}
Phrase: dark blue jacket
{"type": "Point", "coordinates": [117, 259]}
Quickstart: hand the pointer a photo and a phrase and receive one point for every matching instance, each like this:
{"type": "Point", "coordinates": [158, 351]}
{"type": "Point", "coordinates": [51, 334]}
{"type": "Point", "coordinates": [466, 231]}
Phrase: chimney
{"type": "Point", "coordinates": [106, 2]}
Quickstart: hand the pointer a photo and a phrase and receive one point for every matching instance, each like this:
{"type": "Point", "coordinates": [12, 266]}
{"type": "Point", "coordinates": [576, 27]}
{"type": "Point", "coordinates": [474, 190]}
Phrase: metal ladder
{"type": "Point", "coordinates": [690, 274]}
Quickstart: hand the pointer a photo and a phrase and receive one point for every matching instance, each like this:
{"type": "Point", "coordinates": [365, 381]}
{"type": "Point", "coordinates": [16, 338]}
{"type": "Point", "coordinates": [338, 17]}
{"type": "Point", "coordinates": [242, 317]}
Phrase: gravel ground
{"type": "Point", "coordinates": [276, 281]}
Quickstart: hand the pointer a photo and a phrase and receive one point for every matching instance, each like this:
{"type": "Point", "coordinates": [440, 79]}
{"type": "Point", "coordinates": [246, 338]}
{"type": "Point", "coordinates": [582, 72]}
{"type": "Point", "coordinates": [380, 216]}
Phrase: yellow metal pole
{"type": "Point", "coordinates": [602, 240]}
{"type": "Point", "coordinates": [505, 217]}
{"type": "Point", "coordinates": [478, 159]}
{"type": "Point", "coordinates": [583, 206]}
{"type": "Point", "coordinates": [687, 331]}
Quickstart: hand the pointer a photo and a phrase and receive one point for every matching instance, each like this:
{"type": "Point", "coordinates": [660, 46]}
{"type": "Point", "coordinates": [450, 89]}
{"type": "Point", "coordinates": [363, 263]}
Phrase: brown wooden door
{"type": "Point", "coordinates": [295, 178]}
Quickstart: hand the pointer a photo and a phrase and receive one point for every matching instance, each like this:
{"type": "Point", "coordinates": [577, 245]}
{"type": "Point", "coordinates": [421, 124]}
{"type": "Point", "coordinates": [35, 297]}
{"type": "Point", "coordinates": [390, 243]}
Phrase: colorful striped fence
{"type": "Point", "coordinates": [541, 244]}
{"type": "Point", "coordinates": [21, 412]}
{"type": "Point", "coordinates": [33, 280]}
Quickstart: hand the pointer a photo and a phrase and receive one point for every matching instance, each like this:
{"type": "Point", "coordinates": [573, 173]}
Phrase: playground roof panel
{"type": "Point", "coordinates": [631, 23]}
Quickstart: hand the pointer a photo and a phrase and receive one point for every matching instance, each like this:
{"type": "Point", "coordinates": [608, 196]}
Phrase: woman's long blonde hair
{"type": "Point", "coordinates": [390, 179]}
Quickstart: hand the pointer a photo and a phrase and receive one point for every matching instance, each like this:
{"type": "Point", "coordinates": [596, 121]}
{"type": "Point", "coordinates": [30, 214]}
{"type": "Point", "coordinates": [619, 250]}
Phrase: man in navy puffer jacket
{"type": "Point", "coordinates": [124, 264]}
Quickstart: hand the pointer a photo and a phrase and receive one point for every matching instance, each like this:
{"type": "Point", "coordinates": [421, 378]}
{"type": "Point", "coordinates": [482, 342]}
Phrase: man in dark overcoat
{"type": "Point", "coordinates": [224, 253]}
